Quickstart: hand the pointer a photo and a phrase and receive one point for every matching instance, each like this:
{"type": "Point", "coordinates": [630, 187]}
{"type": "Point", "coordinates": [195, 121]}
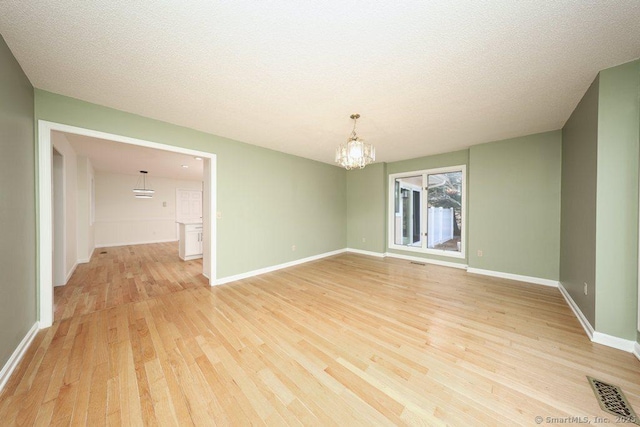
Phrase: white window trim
{"type": "Point", "coordinates": [391, 213]}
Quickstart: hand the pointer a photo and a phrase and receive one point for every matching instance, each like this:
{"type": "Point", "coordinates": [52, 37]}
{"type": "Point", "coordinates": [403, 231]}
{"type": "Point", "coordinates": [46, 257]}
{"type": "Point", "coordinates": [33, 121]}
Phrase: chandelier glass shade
{"type": "Point", "coordinates": [355, 153]}
{"type": "Point", "coordinates": [141, 191]}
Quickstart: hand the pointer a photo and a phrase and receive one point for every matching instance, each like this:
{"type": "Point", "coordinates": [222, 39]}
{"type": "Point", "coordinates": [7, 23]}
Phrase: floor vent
{"type": "Point", "coordinates": [612, 400]}
{"type": "Point", "coordinates": [103, 252]}
{"type": "Point", "coordinates": [418, 263]}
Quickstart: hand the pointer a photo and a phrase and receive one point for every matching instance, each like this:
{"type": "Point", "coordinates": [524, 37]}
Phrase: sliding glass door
{"type": "Point", "coordinates": [427, 211]}
{"type": "Point", "coordinates": [408, 208]}
{"type": "Point", "coordinates": [444, 210]}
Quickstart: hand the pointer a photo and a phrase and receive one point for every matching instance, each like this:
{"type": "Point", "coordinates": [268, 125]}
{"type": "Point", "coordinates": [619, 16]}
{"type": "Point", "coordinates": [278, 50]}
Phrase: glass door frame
{"type": "Point", "coordinates": [412, 189]}
{"type": "Point", "coordinates": [423, 220]}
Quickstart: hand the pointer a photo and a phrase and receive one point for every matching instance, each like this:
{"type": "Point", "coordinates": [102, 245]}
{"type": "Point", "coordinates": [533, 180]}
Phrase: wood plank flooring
{"type": "Point", "coordinates": [347, 340]}
{"type": "Point", "coordinates": [124, 274]}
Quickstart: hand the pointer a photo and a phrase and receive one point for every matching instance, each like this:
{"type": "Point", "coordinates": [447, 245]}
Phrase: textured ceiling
{"type": "Point", "coordinates": [116, 157]}
{"type": "Point", "coordinates": [426, 76]}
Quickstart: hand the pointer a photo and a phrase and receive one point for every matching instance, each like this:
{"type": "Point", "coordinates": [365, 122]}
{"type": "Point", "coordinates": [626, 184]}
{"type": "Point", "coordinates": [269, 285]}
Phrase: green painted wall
{"type": "Point", "coordinates": [17, 205]}
{"type": "Point", "coordinates": [514, 205]}
{"type": "Point", "coordinates": [617, 201]}
{"type": "Point", "coordinates": [578, 226]}
{"type": "Point", "coordinates": [366, 206]}
{"type": "Point", "coordinates": [269, 200]}
{"type": "Point", "coordinates": [454, 158]}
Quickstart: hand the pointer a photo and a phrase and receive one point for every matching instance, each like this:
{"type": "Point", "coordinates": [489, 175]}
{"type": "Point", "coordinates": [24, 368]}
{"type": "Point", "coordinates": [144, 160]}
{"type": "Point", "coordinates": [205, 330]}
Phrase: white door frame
{"type": "Point", "coordinates": [45, 213]}
{"type": "Point", "coordinates": [59, 240]}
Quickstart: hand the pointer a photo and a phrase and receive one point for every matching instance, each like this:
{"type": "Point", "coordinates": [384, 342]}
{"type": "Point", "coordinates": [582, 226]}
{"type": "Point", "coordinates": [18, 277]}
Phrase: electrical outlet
{"type": "Point", "coordinates": [364, 239]}
{"type": "Point", "coordinates": [293, 248]}
{"type": "Point", "coordinates": [479, 253]}
{"type": "Point", "coordinates": [164, 204]}
{"type": "Point", "coordinates": [586, 288]}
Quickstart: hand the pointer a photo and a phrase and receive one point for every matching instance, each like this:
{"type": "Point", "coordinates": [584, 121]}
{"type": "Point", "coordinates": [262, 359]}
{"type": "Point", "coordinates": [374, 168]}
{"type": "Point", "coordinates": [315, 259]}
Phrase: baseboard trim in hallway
{"type": "Point", "coordinates": [17, 355]}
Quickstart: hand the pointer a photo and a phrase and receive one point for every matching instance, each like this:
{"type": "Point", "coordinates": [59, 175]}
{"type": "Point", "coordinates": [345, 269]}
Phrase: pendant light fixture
{"type": "Point", "coordinates": [141, 191]}
{"type": "Point", "coordinates": [355, 153]}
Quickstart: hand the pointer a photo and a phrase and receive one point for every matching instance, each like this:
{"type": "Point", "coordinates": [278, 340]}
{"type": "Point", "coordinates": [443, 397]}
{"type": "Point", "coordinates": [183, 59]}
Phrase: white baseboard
{"type": "Point", "coordinates": [361, 252]}
{"type": "Point", "coordinates": [86, 260]}
{"type": "Point", "coordinates": [113, 245]}
{"type": "Point", "coordinates": [576, 310]}
{"type": "Point", "coordinates": [253, 273]}
{"type": "Point", "coordinates": [595, 336]}
{"type": "Point", "coordinates": [615, 342]}
{"type": "Point", "coordinates": [73, 269]}
{"type": "Point", "coordinates": [510, 276]}
{"type": "Point", "coordinates": [426, 260]}
{"type": "Point", "coordinates": [69, 274]}
{"type": "Point", "coordinates": [191, 257]}
{"type": "Point", "coordinates": [17, 355]}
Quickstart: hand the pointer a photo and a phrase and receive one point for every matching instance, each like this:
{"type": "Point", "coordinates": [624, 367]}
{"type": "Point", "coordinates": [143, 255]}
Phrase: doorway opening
{"type": "Point", "coordinates": [46, 208]}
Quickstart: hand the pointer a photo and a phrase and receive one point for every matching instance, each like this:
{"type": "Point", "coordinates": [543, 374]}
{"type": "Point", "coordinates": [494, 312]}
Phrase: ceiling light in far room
{"type": "Point", "coordinates": [355, 153]}
{"type": "Point", "coordinates": [185, 166]}
{"type": "Point", "coordinates": [198, 158]}
{"type": "Point", "coordinates": [141, 191]}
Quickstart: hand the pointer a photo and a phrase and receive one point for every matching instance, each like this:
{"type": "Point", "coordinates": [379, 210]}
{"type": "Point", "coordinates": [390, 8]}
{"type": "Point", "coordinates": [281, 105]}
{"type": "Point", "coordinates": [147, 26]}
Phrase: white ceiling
{"type": "Point", "coordinates": [116, 157]}
{"type": "Point", "coordinates": [426, 76]}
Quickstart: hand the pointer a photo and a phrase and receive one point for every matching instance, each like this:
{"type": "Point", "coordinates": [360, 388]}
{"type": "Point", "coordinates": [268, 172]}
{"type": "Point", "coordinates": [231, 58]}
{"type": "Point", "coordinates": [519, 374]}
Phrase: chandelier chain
{"type": "Point", "coordinates": [355, 122]}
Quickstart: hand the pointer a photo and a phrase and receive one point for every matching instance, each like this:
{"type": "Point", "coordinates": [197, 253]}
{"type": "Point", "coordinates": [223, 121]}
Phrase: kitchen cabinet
{"type": "Point", "coordinates": [191, 236]}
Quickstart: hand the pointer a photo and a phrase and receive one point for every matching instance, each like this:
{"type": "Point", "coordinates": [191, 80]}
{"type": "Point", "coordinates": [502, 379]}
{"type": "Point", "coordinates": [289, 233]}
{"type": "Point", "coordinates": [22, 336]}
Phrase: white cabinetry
{"type": "Point", "coordinates": [190, 241]}
{"type": "Point", "coordinates": [188, 205]}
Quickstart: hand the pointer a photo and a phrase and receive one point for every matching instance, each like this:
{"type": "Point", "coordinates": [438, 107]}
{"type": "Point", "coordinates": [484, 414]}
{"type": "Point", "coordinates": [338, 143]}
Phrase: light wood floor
{"type": "Point", "coordinates": [124, 274]}
{"type": "Point", "coordinates": [348, 340]}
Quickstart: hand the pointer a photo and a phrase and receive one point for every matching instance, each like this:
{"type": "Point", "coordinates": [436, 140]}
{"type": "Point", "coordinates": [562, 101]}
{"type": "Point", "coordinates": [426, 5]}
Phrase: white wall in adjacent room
{"type": "Point", "coordinates": [69, 175]}
{"type": "Point", "coordinates": [121, 219]}
{"type": "Point", "coordinates": [85, 229]}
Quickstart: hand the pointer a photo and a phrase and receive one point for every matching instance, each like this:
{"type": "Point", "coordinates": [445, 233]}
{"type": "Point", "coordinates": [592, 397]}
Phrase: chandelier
{"type": "Point", "coordinates": [141, 191]}
{"type": "Point", "coordinates": [355, 153]}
